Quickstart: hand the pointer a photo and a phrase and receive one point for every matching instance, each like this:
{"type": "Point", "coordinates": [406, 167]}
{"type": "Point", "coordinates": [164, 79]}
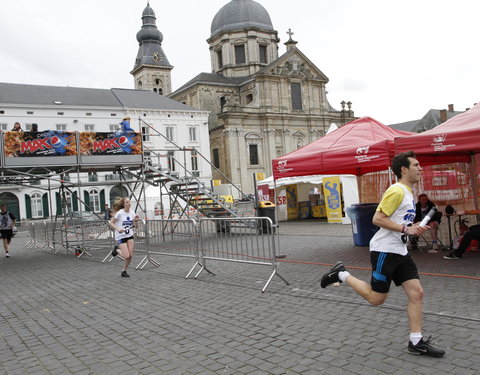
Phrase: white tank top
{"type": "Point", "coordinates": [388, 241]}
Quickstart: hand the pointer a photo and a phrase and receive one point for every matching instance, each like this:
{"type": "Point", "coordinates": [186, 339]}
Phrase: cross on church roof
{"type": "Point", "coordinates": [290, 33]}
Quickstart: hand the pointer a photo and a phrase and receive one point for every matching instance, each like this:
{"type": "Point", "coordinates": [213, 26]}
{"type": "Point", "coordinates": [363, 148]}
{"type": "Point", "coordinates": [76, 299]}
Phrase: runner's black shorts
{"type": "Point", "coordinates": [388, 267]}
{"type": "Point", "coordinates": [7, 234]}
{"type": "Point", "coordinates": [124, 240]}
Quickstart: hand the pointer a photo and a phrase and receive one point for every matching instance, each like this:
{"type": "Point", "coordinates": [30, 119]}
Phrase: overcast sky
{"type": "Point", "coordinates": [394, 60]}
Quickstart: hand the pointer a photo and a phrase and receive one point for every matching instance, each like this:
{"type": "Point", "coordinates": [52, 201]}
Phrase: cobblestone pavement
{"type": "Point", "coordinates": [63, 315]}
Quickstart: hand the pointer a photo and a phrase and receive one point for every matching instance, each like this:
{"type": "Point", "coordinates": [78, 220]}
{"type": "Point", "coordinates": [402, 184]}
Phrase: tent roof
{"type": "Point", "coordinates": [452, 141]}
{"type": "Point", "coordinates": [361, 146]}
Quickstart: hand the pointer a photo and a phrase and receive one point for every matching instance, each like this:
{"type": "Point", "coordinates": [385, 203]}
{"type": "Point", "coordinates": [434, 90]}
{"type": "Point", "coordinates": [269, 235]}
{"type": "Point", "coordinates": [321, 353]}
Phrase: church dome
{"type": "Point", "coordinates": [240, 14]}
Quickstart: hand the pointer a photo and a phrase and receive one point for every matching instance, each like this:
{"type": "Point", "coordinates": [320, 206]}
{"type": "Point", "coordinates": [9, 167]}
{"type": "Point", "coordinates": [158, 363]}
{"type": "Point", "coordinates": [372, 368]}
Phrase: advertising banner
{"type": "Point", "coordinates": [36, 144]}
{"type": "Point", "coordinates": [333, 199]}
{"type": "Point", "coordinates": [115, 143]}
{"type": "Point", "coordinates": [292, 202]}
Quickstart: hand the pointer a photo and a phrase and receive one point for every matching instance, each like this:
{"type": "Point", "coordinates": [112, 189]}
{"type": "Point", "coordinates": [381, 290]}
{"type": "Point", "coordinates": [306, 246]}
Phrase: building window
{"type": "Point", "coordinates": [195, 171]}
{"type": "Point", "coordinates": [3, 127]}
{"type": "Point", "coordinates": [240, 54]}
{"type": "Point", "coordinates": [88, 113]}
{"type": "Point", "coordinates": [253, 151]}
{"type": "Point", "coordinates": [145, 133]}
{"type": "Point", "coordinates": [171, 160]}
{"type": "Point", "coordinates": [114, 128]}
{"type": "Point", "coordinates": [61, 127]}
{"type": "Point", "coordinates": [220, 58]}
{"type": "Point", "coordinates": [223, 101]}
{"type": "Point", "coordinates": [113, 114]}
{"type": "Point", "coordinates": [193, 134]}
{"type": "Point", "coordinates": [296, 96]}
{"type": "Point", "coordinates": [140, 85]}
{"type": "Point", "coordinates": [263, 54]}
{"type": "Point", "coordinates": [94, 200]}
{"type": "Point", "coordinates": [89, 127]}
{"type": "Point", "coordinates": [92, 176]}
{"type": "Point", "coordinates": [216, 158]}
{"type": "Point", "coordinates": [28, 127]}
{"type": "Point", "coordinates": [60, 113]}
{"type": "Point", "coordinates": [248, 98]}
{"type": "Point", "coordinates": [29, 112]}
{"type": "Point", "coordinates": [169, 133]}
{"type": "Point", "coordinates": [67, 203]}
{"type": "Point", "coordinates": [37, 205]}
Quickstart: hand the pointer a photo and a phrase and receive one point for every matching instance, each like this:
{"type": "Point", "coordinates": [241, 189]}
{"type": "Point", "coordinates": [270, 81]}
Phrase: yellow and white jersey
{"type": "Point", "coordinates": [398, 204]}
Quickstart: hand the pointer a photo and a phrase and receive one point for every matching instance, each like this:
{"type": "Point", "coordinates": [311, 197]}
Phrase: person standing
{"type": "Point", "coordinates": [107, 212]}
{"type": "Point", "coordinates": [7, 225]}
{"type": "Point", "coordinates": [17, 127]}
{"type": "Point", "coordinates": [389, 255]}
{"type": "Point", "coordinates": [123, 223]}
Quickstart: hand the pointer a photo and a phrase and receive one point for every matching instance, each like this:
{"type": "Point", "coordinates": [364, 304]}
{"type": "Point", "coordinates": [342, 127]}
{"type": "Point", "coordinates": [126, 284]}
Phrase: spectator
{"type": "Point", "coordinates": [423, 206]}
{"type": "Point", "coordinates": [34, 128]}
{"type": "Point", "coordinates": [17, 127]}
{"type": "Point", "coordinates": [126, 125]}
{"type": "Point", "coordinates": [107, 212]}
{"type": "Point", "coordinates": [7, 226]}
{"type": "Point", "coordinates": [472, 234]}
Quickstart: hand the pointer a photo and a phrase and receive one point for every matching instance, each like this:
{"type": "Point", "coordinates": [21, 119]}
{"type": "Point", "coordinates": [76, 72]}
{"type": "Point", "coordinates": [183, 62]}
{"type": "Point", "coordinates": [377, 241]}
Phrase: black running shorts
{"type": "Point", "coordinates": [7, 234]}
{"type": "Point", "coordinates": [388, 267]}
{"type": "Point", "coordinates": [124, 240]}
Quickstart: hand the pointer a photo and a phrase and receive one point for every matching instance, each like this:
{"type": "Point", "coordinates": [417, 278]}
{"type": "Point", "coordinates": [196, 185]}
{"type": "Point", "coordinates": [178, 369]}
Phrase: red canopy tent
{"type": "Point", "coordinates": [453, 141]}
{"type": "Point", "coordinates": [361, 146]}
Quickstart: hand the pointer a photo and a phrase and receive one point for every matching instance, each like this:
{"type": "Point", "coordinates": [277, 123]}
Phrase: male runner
{"type": "Point", "coordinates": [389, 255]}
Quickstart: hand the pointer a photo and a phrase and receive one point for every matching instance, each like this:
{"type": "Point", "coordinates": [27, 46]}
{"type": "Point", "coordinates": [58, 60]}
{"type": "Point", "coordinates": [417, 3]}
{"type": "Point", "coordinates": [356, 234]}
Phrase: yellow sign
{"type": "Point", "coordinates": [259, 176]}
{"type": "Point", "coordinates": [292, 202]}
{"type": "Point", "coordinates": [217, 182]}
{"type": "Point", "coordinates": [333, 199]}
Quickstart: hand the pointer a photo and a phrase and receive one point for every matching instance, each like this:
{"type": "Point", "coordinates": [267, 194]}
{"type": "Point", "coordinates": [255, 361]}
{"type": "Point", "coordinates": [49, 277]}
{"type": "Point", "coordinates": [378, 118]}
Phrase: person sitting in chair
{"type": "Point", "coordinates": [423, 206]}
{"type": "Point", "coordinates": [473, 233]}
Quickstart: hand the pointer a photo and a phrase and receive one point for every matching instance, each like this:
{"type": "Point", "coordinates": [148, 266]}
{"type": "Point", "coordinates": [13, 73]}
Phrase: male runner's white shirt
{"type": "Point", "coordinates": [398, 204]}
{"type": "Point", "coordinates": [124, 220]}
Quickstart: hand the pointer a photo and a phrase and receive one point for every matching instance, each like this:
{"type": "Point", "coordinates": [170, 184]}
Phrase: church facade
{"type": "Point", "coordinates": [261, 105]}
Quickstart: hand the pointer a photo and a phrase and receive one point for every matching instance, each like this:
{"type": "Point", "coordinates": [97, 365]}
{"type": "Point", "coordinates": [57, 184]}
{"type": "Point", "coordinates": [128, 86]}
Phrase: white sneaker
{"type": "Point", "coordinates": [432, 251]}
{"type": "Point", "coordinates": [7, 255]}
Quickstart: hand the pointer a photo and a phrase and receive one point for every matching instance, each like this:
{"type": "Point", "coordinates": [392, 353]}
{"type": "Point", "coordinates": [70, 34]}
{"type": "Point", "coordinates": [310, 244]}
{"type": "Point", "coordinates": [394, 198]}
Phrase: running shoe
{"type": "Point", "coordinates": [7, 255]}
{"type": "Point", "coordinates": [125, 274]}
{"type": "Point", "coordinates": [332, 276]}
{"type": "Point", "coordinates": [425, 348]}
{"type": "Point", "coordinates": [451, 256]}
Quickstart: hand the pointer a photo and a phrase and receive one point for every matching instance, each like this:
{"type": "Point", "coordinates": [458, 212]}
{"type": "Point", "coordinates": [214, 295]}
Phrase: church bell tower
{"type": "Point", "coordinates": [152, 71]}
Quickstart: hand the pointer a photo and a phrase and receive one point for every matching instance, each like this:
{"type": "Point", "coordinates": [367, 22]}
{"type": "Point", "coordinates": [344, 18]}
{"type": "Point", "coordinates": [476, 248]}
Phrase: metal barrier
{"type": "Point", "coordinates": [81, 238]}
{"type": "Point", "coordinates": [238, 240]}
{"type": "Point", "coordinates": [171, 237]}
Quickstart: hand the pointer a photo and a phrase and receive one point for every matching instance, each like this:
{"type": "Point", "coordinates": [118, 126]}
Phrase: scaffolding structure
{"type": "Point", "coordinates": [185, 190]}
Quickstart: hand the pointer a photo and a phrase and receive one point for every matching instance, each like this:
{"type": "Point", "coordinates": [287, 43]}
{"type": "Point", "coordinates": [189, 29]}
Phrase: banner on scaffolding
{"type": "Point", "coordinates": [36, 144]}
{"type": "Point", "coordinates": [113, 143]}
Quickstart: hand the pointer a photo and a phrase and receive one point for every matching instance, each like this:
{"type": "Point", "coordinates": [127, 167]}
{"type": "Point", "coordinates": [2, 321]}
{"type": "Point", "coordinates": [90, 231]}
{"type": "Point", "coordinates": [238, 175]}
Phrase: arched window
{"type": "Point", "coordinates": [94, 200]}
{"type": "Point", "coordinates": [140, 85]}
{"type": "Point", "coordinates": [37, 205]}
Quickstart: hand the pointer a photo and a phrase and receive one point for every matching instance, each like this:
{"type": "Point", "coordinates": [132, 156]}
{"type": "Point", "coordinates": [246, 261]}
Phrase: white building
{"type": "Point", "coordinates": [74, 109]}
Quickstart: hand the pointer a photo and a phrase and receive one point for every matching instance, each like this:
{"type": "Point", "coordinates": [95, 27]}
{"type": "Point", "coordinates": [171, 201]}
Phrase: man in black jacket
{"type": "Point", "coordinates": [423, 206]}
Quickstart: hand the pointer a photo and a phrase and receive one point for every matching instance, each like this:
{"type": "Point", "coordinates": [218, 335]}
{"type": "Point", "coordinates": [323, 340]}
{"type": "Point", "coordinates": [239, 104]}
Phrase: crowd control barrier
{"type": "Point", "coordinates": [238, 240]}
{"type": "Point", "coordinates": [170, 237]}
